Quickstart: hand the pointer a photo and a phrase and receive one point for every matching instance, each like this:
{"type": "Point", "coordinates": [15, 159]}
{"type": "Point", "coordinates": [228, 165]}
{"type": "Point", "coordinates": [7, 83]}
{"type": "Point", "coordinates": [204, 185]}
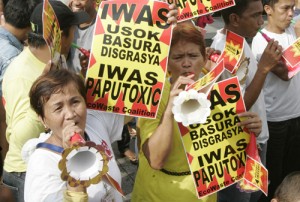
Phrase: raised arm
{"type": "Point", "coordinates": [267, 62]}
{"type": "Point", "coordinates": [158, 146]}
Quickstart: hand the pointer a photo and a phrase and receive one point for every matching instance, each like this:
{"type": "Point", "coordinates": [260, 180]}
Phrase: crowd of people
{"type": "Point", "coordinates": [42, 104]}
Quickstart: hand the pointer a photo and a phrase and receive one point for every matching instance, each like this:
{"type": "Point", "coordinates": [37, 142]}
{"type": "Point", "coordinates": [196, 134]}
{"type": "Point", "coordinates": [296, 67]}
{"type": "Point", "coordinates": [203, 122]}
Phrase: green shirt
{"type": "Point", "coordinates": [154, 185]}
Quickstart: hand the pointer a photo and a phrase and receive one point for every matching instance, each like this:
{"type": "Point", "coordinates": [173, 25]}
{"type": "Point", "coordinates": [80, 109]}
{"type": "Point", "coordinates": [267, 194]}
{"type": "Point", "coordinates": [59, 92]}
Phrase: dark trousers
{"type": "Point", "coordinates": [124, 143]}
{"type": "Point", "coordinates": [15, 181]}
{"type": "Point", "coordinates": [283, 152]}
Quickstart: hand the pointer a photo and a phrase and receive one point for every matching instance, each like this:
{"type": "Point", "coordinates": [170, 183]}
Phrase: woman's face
{"type": "Point", "coordinates": [64, 108]}
{"type": "Point", "coordinates": [185, 58]}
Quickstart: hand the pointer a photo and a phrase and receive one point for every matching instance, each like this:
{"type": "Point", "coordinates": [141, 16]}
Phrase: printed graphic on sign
{"type": "Point", "coordinates": [216, 150]}
{"type": "Point", "coordinates": [188, 9]}
{"type": "Point", "coordinates": [257, 175]}
{"type": "Point", "coordinates": [205, 83]}
{"type": "Point", "coordinates": [233, 51]}
{"type": "Point", "coordinates": [129, 57]}
{"type": "Point", "coordinates": [51, 30]}
{"type": "Point", "coordinates": [291, 56]}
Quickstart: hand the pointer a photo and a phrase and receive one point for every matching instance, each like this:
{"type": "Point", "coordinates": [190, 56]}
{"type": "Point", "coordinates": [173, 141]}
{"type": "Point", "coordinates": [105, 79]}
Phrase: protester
{"type": "Point", "coordinates": [13, 33]}
{"type": "Point", "coordinates": [288, 190]}
{"type": "Point", "coordinates": [22, 122]}
{"type": "Point", "coordinates": [83, 34]}
{"type": "Point", "coordinates": [281, 94]}
{"type": "Point", "coordinates": [58, 97]}
{"type": "Point", "coordinates": [128, 132]}
{"type": "Point", "coordinates": [245, 19]}
{"type": "Point", "coordinates": [163, 173]}
{"type": "Point", "coordinates": [12, 37]}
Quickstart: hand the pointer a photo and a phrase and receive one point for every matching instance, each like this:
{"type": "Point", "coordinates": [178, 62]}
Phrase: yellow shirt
{"type": "Point", "coordinates": [154, 185]}
{"type": "Point", "coordinates": [22, 121]}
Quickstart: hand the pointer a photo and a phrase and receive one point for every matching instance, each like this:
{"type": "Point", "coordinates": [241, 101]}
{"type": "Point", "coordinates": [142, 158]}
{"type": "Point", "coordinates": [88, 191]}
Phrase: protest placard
{"type": "Point", "coordinates": [129, 57]}
{"type": "Point", "coordinates": [255, 177]}
{"type": "Point", "coordinates": [51, 30]}
{"type": "Point", "coordinates": [291, 56]}
{"type": "Point", "coordinates": [233, 51]}
{"type": "Point", "coordinates": [216, 150]}
{"type": "Point", "coordinates": [188, 9]}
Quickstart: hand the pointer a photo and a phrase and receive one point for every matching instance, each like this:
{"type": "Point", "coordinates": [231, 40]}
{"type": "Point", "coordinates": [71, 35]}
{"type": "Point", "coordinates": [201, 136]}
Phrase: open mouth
{"type": "Point", "coordinates": [76, 9]}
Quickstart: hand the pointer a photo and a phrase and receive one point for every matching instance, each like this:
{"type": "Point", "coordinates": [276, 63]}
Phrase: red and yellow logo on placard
{"type": "Point", "coordinates": [233, 51]}
{"type": "Point", "coordinates": [191, 9]}
{"type": "Point", "coordinates": [256, 175]}
{"type": "Point", "coordinates": [208, 80]}
{"type": "Point", "coordinates": [291, 56]}
{"type": "Point", "coordinates": [129, 57]}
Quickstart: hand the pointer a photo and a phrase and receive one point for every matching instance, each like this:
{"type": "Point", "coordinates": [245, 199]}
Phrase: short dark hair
{"type": "Point", "coordinates": [37, 40]}
{"type": "Point", "coordinates": [239, 8]}
{"type": "Point", "coordinates": [187, 31]}
{"type": "Point", "coordinates": [4, 2]}
{"type": "Point", "coordinates": [270, 2]}
{"type": "Point", "coordinates": [18, 12]}
{"type": "Point", "coordinates": [288, 190]}
{"type": "Point", "coordinates": [53, 82]}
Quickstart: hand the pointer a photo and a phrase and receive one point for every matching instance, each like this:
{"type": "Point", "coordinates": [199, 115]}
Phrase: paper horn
{"type": "Point", "coordinates": [191, 107]}
{"type": "Point", "coordinates": [85, 163]}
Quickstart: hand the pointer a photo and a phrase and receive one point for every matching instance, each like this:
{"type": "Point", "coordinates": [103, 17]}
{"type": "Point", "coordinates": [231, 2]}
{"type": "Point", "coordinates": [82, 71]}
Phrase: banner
{"type": "Point", "coordinates": [129, 57]}
{"type": "Point", "coordinates": [233, 51]}
{"type": "Point", "coordinates": [216, 150]}
{"type": "Point", "coordinates": [291, 56]}
{"type": "Point", "coordinates": [51, 30]}
{"type": "Point", "coordinates": [188, 9]}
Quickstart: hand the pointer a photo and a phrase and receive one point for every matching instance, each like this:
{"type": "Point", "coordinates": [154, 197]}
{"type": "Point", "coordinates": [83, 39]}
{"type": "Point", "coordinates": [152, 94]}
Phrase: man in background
{"type": "Point", "coordinates": [13, 34]}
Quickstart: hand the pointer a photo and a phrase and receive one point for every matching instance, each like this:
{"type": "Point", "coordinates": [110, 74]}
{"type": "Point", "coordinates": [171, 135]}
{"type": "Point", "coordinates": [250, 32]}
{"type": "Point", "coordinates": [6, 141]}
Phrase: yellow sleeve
{"type": "Point", "coordinates": [148, 126]}
{"type": "Point", "coordinates": [23, 123]}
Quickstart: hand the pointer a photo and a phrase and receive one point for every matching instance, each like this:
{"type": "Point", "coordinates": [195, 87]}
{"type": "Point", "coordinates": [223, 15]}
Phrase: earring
{"type": "Point", "coordinates": [47, 129]}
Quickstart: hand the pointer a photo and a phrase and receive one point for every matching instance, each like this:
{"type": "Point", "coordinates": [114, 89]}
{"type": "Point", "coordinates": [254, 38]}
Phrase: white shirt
{"type": "Point", "coordinates": [43, 182]}
{"type": "Point", "coordinates": [281, 97]}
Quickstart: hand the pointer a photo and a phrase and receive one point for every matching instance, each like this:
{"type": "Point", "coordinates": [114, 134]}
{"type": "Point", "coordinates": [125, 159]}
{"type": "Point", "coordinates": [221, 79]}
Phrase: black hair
{"type": "Point", "coordinates": [37, 40]}
{"type": "Point", "coordinates": [239, 9]}
{"type": "Point", "coordinates": [18, 12]}
{"type": "Point", "coordinates": [4, 2]}
{"type": "Point", "coordinates": [270, 2]}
